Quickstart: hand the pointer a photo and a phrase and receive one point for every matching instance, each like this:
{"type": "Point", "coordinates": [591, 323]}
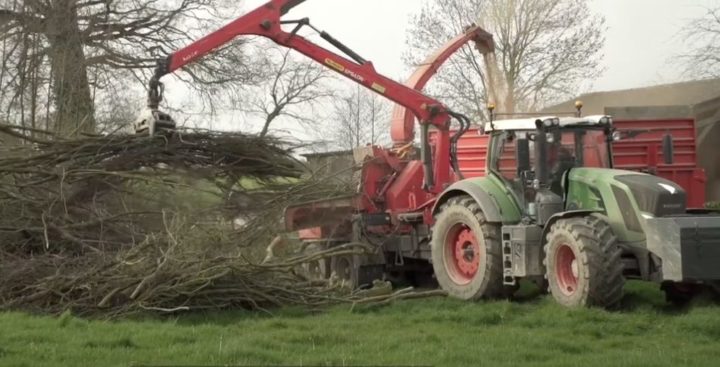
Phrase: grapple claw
{"type": "Point", "coordinates": [153, 121]}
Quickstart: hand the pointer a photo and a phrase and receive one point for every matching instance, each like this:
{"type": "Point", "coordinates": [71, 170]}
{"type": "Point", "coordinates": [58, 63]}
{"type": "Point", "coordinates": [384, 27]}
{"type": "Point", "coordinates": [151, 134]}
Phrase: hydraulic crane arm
{"type": "Point", "coordinates": [265, 21]}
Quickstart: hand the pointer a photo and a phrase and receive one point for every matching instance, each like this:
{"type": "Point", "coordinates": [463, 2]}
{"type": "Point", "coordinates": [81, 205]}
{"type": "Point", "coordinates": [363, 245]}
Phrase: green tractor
{"type": "Point", "coordinates": [554, 211]}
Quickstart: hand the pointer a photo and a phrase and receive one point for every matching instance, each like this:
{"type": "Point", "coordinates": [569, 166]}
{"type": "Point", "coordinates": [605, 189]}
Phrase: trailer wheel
{"type": "Point", "coordinates": [466, 251]}
{"type": "Point", "coordinates": [318, 269]}
{"type": "Point", "coordinates": [344, 269]}
{"type": "Point", "coordinates": [679, 294]}
{"type": "Point", "coordinates": [715, 288]}
{"type": "Point", "coordinates": [583, 263]}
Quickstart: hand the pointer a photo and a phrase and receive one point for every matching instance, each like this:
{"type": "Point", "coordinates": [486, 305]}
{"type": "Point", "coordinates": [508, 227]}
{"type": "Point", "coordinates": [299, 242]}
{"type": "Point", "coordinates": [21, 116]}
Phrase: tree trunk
{"type": "Point", "coordinates": [71, 88]}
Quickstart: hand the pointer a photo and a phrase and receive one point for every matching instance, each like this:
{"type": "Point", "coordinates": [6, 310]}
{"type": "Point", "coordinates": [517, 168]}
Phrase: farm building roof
{"type": "Point", "coordinates": [675, 94]}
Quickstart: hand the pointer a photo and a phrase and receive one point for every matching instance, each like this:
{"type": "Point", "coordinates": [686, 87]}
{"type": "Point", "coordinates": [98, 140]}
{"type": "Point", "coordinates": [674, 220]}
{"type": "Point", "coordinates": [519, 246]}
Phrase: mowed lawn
{"type": "Point", "coordinates": [437, 332]}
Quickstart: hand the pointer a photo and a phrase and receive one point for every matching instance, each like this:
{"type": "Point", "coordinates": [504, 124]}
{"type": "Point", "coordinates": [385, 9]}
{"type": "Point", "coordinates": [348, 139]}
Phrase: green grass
{"type": "Point", "coordinates": [438, 332]}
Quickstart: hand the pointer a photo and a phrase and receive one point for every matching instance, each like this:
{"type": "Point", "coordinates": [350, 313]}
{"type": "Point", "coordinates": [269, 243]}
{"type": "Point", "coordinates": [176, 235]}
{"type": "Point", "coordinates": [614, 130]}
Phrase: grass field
{"type": "Point", "coordinates": [437, 332]}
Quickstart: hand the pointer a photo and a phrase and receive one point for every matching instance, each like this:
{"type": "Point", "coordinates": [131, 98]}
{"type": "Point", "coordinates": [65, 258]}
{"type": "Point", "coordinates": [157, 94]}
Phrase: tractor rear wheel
{"type": "Point", "coordinates": [583, 263]}
{"type": "Point", "coordinates": [466, 251]}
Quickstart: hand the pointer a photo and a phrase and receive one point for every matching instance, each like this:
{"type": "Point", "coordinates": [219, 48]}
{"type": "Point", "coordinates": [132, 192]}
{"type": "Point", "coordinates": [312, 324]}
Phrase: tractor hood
{"type": "Point", "coordinates": [628, 198]}
{"type": "Point", "coordinates": [650, 194]}
{"type": "Point", "coordinates": [654, 195]}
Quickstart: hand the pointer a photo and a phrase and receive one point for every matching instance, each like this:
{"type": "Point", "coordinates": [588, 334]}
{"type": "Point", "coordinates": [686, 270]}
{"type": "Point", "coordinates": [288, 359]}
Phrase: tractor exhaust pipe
{"type": "Point", "coordinates": [542, 156]}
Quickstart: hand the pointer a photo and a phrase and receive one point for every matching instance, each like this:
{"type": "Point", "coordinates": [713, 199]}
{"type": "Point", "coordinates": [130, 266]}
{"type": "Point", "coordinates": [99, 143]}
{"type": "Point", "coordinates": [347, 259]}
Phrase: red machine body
{"type": "Point", "coordinates": [396, 186]}
{"type": "Point", "coordinates": [390, 183]}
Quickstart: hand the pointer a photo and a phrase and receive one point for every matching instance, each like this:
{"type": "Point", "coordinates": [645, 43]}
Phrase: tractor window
{"type": "Point", "coordinates": [595, 150]}
{"type": "Point", "coordinates": [562, 156]}
{"type": "Point", "coordinates": [562, 149]}
{"type": "Point", "coordinates": [505, 162]}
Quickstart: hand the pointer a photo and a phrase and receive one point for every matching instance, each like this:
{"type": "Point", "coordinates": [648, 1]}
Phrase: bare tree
{"type": "Point", "coordinates": [703, 38]}
{"type": "Point", "coordinates": [19, 78]}
{"type": "Point", "coordinates": [73, 50]}
{"type": "Point", "coordinates": [545, 50]}
{"type": "Point", "coordinates": [360, 118]}
{"type": "Point", "coordinates": [292, 90]}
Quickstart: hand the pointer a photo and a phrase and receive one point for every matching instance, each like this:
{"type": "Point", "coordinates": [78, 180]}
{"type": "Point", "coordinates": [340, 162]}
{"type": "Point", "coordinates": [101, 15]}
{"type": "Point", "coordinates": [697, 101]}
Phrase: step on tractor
{"type": "Point", "coordinates": [551, 209]}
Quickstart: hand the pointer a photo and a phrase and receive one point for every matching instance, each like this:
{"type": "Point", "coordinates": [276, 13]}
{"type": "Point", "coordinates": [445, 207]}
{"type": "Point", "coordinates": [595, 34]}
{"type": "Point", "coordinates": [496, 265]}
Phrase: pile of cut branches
{"type": "Point", "coordinates": [175, 271]}
{"type": "Point", "coordinates": [94, 223]}
{"type": "Point", "coordinates": [119, 224]}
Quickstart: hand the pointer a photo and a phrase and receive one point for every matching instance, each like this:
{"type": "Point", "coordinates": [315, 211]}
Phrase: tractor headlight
{"type": "Point", "coordinates": [550, 138]}
{"type": "Point", "coordinates": [551, 122]}
{"type": "Point", "coordinates": [607, 120]}
{"type": "Point", "coordinates": [616, 136]}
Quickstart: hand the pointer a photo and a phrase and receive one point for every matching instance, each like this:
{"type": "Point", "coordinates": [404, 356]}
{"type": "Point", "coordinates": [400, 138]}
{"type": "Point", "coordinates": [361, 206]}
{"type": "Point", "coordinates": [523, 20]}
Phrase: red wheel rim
{"type": "Point", "coordinates": [566, 270]}
{"type": "Point", "coordinates": [462, 254]}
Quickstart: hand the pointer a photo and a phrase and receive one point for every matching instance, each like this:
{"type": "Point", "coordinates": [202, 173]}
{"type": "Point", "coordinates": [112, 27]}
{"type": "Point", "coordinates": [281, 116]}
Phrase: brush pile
{"type": "Point", "coordinates": [120, 224]}
{"type": "Point", "coordinates": [94, 193]}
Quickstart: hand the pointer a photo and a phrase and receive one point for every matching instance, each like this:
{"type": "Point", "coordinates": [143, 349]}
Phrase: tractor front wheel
{"type": "Point", "coordinates": [466, 251]}
{"type": "Point", "coordinates": [583, 263]}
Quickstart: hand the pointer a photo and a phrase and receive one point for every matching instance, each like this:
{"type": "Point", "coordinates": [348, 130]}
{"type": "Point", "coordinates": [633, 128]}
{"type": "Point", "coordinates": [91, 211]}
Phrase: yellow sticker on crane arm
{"type": "Point", "coordinates": [335, 65]}
{"type": "Point", "coordinates": [379, 88]}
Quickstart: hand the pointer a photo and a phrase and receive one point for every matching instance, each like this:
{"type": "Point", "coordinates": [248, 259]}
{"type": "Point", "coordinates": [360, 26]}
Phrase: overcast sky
{"type": "Point", "coordinates": [642, 34]}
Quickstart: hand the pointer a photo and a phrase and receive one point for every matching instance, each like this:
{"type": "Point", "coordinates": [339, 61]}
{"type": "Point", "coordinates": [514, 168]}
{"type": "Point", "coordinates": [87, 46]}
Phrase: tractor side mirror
{"type": "Point", "coordinates": [522, 156]}
{"type": "Point", "coordinates": [668, 149]}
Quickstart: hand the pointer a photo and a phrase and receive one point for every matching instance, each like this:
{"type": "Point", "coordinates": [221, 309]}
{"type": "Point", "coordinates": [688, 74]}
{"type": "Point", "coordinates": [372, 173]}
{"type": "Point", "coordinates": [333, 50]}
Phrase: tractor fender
{"type": "Point", "coordinates": [564, 215]}
{"type": "Point", "coordinates": [489, 204]}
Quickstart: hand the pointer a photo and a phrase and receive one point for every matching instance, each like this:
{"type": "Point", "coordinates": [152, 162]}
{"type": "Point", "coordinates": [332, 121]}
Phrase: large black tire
{"type": "Point", "coordinates": [466, 251]}
{"type": "Point", "coordinates": [583, 263]}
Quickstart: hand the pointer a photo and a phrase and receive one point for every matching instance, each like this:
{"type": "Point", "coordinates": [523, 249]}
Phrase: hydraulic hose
{"type": "Point", "coordinates": [465, 124]}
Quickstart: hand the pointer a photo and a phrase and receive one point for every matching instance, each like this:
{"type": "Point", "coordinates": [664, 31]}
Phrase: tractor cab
{"type": "Point", "coordinates": [533, 156]}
